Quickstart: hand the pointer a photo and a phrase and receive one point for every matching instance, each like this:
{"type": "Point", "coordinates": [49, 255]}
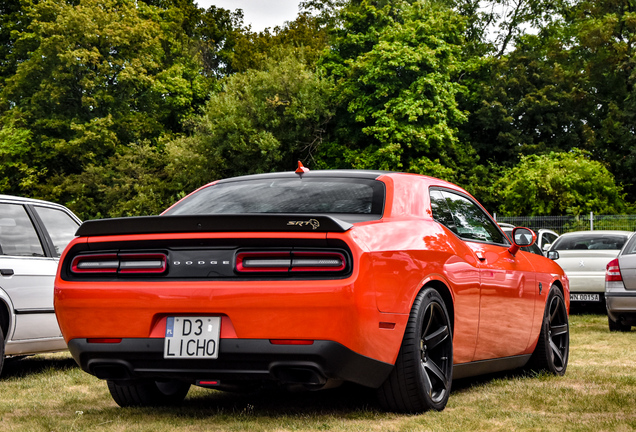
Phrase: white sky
{"type": "Point", "coordinates": [259, 13]}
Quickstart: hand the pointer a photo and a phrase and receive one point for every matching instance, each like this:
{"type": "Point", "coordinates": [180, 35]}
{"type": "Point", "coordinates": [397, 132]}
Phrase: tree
{"type": "Point", "coordinates": [262, 121]}
{"type": "Point", "coordinates": [396, 66]}
{"type": "Point", "coordinates": [558, 184]}
{"type": "Point", "coordinates": [101, 75]}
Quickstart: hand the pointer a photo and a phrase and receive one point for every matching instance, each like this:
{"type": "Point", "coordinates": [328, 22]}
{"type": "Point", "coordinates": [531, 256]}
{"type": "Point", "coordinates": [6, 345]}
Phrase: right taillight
{"type": "Point", "coordinates": [613, 272]}
{"type": "Point", "coordinates": [286, 262]}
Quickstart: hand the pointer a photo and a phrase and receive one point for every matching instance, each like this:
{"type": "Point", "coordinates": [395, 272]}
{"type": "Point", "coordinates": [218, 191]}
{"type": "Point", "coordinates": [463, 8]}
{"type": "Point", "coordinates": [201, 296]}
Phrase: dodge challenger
{"type": "Point", "coordinates": [308, 279]}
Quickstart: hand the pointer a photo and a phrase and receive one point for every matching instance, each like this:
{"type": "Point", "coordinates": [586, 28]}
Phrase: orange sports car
{"type": "Point", "coordinates": [398, 282]}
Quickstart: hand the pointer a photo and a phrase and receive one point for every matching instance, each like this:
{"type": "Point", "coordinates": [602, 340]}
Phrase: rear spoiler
{"type": "Point", "coordinates": [212, 223]}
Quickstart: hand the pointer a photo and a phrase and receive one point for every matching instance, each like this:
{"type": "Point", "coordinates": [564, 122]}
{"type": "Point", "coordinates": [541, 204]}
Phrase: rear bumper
{"type": "Point", "coordinates": [621, 306]}
{"type": "Point", "coordinates": [240, 361]}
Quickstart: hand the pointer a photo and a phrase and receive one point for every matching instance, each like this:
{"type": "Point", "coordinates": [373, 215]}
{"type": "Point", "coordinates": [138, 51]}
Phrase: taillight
{"type": "Point", "coordinates": [105, 263]}
{"type": "Point", "coordinates": [317, 262]}
{"type": "Point", "coordinates": [263, 262]}
{"type": "Point", "coordinates": [138, 263]}
{"type": "Point", "coordinates": [284, 262]}
{"type": "Point", "coordinates": [613, 272]}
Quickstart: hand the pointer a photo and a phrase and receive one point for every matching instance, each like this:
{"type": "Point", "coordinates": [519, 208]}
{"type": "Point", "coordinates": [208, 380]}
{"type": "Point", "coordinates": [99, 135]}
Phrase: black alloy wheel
{"type": "Point", "coordinates": [422, 376]}
{"type": "Point", "coordinates": [553, 347]}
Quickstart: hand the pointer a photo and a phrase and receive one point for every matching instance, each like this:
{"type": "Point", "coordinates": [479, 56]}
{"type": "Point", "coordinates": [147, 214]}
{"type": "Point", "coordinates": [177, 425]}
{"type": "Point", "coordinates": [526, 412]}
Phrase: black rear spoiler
{"type": "Point", "coordinates": [212, 223]}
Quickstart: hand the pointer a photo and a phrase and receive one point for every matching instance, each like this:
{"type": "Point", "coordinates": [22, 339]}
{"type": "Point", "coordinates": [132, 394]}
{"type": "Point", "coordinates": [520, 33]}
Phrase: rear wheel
{"type": "Point", "coordinates": [422, 376]}
{"type": "Point", "coordinates": [553, 348]}
{"type": "Point", "coordinates": [149, 393]}
{"type": "Point", "coordinates": [618, 326]}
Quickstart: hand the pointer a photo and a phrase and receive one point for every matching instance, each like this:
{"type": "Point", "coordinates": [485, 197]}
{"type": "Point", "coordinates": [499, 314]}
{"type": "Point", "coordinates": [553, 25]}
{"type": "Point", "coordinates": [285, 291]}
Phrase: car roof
{"type": "Point", "coordinates": [369, 174]}
{"type": "Point", "coordinates": [23, 200]}
{"type": "Point", "coordinates": [597, 233]}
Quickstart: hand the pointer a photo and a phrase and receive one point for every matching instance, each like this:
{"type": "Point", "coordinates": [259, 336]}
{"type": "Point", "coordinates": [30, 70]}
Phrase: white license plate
{"type": "Point", "coordinates": [584, 297]}
{"type": "Point", "coordinates": [192, 337]}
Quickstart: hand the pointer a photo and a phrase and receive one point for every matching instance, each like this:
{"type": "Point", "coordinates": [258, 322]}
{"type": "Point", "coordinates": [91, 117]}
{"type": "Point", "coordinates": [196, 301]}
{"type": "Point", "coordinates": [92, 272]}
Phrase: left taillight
{"type": "Point", "coordinates": [613, 272]}
{"type": "Point", "coordinates": [128, 263]}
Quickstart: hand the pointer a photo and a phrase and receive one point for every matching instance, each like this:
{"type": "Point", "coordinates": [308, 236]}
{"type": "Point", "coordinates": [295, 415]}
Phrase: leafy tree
{"type": "Point", "coordinates": [262, 120]}
{"type": "Point", "coordinates": [558, 184]}
{"type": "Point", "coordinates": [101, 75]}
{"type": "Point", "coordinates": [396, 66]}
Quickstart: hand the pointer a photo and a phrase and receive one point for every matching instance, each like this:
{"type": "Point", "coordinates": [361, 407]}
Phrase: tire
{"type": "Point", "coordinates": [553, 348]}
{"type": "Point", "coordinates": [618, 326]}
{"type": "Point", "coordinates": [423, 372]}
{"type": "Point", "coordinates": [149, 393]}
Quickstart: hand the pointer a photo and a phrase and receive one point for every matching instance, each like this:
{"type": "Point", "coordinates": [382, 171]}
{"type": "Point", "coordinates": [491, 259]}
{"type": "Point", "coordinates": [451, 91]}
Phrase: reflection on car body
{"type": "Point", "coordinates": [309, 279]}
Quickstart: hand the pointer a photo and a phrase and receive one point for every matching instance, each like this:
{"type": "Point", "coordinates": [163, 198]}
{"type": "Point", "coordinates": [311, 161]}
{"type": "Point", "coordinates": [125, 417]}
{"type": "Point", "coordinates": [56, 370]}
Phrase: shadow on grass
{"type": "Point", "coordinates": [348, 398]}
{"type": "Point", "coordinates": [21, 367]}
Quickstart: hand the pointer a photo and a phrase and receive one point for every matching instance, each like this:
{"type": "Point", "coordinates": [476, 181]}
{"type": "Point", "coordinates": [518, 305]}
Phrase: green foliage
{"type": "Point", "coordinates": [395, 66]}
{"type": "Point", "coordinates": [117, 107]}
{"type": "Point", "coordinates": [263, 120]}
{"type": "Point", "coordinates": [558, 184]}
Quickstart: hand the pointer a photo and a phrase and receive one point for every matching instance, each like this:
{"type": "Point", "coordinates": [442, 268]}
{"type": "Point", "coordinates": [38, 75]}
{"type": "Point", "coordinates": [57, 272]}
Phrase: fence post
{"type": "Point", "coordinates": [591, 221]}
{"type": "Point", "coordinates": [494, 216]}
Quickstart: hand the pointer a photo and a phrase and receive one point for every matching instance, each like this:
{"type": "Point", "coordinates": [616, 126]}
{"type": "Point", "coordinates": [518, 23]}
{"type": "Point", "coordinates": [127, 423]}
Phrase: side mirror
{"type": "Point", "coordinates": [521, 237]}
{"type": "Point", "coordinates": [553, 255]}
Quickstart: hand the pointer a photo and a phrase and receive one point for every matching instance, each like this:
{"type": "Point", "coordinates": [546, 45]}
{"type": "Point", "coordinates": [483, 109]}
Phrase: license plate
{"type": "Point", "coordinates": [584, 297]}
{"type": "Point", "coordinates": [192, 337]}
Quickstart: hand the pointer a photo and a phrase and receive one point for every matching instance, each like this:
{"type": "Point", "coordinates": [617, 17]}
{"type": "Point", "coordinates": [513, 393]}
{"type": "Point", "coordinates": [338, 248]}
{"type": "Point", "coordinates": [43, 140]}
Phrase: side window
{"type": "Point", "coordinates": [471, 222]}
{"type": "Point", "coordinates": [441, 212]}
{"type": "Point", "coordinates": [17, 234]}
{"type": "Point", "coordinates": [550, 238]}
{"type": "Point", "coordinates": [60, 226]}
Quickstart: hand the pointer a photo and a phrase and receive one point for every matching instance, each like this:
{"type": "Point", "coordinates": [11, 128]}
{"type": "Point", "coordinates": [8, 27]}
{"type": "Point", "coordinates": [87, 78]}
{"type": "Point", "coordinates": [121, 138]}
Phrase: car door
{"type": "Point", "coordinates": [507, 282]}
{"type": "Point", "coordinates": [28, 264]}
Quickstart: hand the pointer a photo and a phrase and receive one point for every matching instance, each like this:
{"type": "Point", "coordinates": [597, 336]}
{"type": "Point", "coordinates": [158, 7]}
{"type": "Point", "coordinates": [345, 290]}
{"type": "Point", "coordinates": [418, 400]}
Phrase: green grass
{"type": "Point", "coordinates": [598, 393]}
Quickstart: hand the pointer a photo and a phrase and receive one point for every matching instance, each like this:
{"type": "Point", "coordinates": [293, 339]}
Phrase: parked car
{"type": "Point", "coordinates": [620, 288]}
{"type": "Point", "coordinates": [398, 282]}
{"type": "Point", "coordinates": [584, 256]}
{"type": "Point", "coordinates": [545, 239]}
{"type": "Point", "coordinates": [33, 234]}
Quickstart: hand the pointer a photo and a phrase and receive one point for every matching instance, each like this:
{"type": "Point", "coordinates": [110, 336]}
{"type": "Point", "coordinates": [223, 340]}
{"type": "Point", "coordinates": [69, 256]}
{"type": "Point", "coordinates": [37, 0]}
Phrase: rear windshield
{"type": "Point", "coordinates": [339, 196]}
{"type": "Point", "coordinates": [587, 242]}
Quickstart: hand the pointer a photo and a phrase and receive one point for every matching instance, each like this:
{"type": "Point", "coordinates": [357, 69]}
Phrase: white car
{"type": "Point", "coordinates": [33, 234]}
{"type": "Point", "coordinates": [584, 256]}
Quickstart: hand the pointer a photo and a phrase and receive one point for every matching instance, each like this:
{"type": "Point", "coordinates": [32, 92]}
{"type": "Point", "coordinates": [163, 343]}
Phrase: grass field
{"type": "Point", "coordinates": [598, 393]}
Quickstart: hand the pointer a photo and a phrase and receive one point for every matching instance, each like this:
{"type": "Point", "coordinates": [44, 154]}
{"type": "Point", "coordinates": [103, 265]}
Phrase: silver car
{"type": "Point", "coordinates": [620, 289]}
{"type": "Point", "coordinates": [584, 255]}
{"type": "Point", "coordinates": [33, 234]}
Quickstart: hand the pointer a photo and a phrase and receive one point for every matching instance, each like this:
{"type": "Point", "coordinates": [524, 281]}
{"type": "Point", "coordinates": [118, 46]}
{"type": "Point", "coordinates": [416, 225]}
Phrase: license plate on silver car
{"type": "Point", "coordinates": [585, 297]}
{"type": "Point", "coordinates": [192, 337]}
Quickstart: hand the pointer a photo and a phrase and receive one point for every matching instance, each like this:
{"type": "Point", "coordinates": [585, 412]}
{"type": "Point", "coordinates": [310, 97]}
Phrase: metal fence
{"type": "Point", "coordinates": [563, 224]}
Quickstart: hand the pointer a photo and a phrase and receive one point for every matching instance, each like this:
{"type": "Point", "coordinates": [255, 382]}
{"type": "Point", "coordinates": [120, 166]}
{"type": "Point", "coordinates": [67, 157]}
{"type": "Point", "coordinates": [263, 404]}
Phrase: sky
{"type": "Point", "coordinates": [259, 13]}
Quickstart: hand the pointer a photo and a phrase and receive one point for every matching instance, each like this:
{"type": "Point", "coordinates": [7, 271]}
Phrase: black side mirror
{"type": "Point", "coordinates": [553, 255]}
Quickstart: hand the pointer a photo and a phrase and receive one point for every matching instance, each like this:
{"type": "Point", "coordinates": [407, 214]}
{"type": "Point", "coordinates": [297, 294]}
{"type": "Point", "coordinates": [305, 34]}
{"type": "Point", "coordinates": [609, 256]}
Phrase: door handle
{"type": "Point", "coordinates": [480, 255]}
{"type": "Point", "coordinates": [6, 272]}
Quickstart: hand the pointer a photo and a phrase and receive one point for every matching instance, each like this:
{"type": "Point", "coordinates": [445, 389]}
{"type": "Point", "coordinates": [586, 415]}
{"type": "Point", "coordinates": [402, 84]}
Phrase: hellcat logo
{"type": "Point", "coordinates": [311, 222]}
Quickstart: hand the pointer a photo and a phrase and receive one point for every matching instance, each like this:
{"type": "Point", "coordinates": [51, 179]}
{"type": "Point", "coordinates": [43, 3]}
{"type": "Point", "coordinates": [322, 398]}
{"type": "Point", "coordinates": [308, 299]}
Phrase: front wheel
{"type": "Point", "coordinates": [148, 393]}
{"type": "Point", "coordinates": [423, 372]}
{"type": "Point", "coordinates": [553, 348]}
